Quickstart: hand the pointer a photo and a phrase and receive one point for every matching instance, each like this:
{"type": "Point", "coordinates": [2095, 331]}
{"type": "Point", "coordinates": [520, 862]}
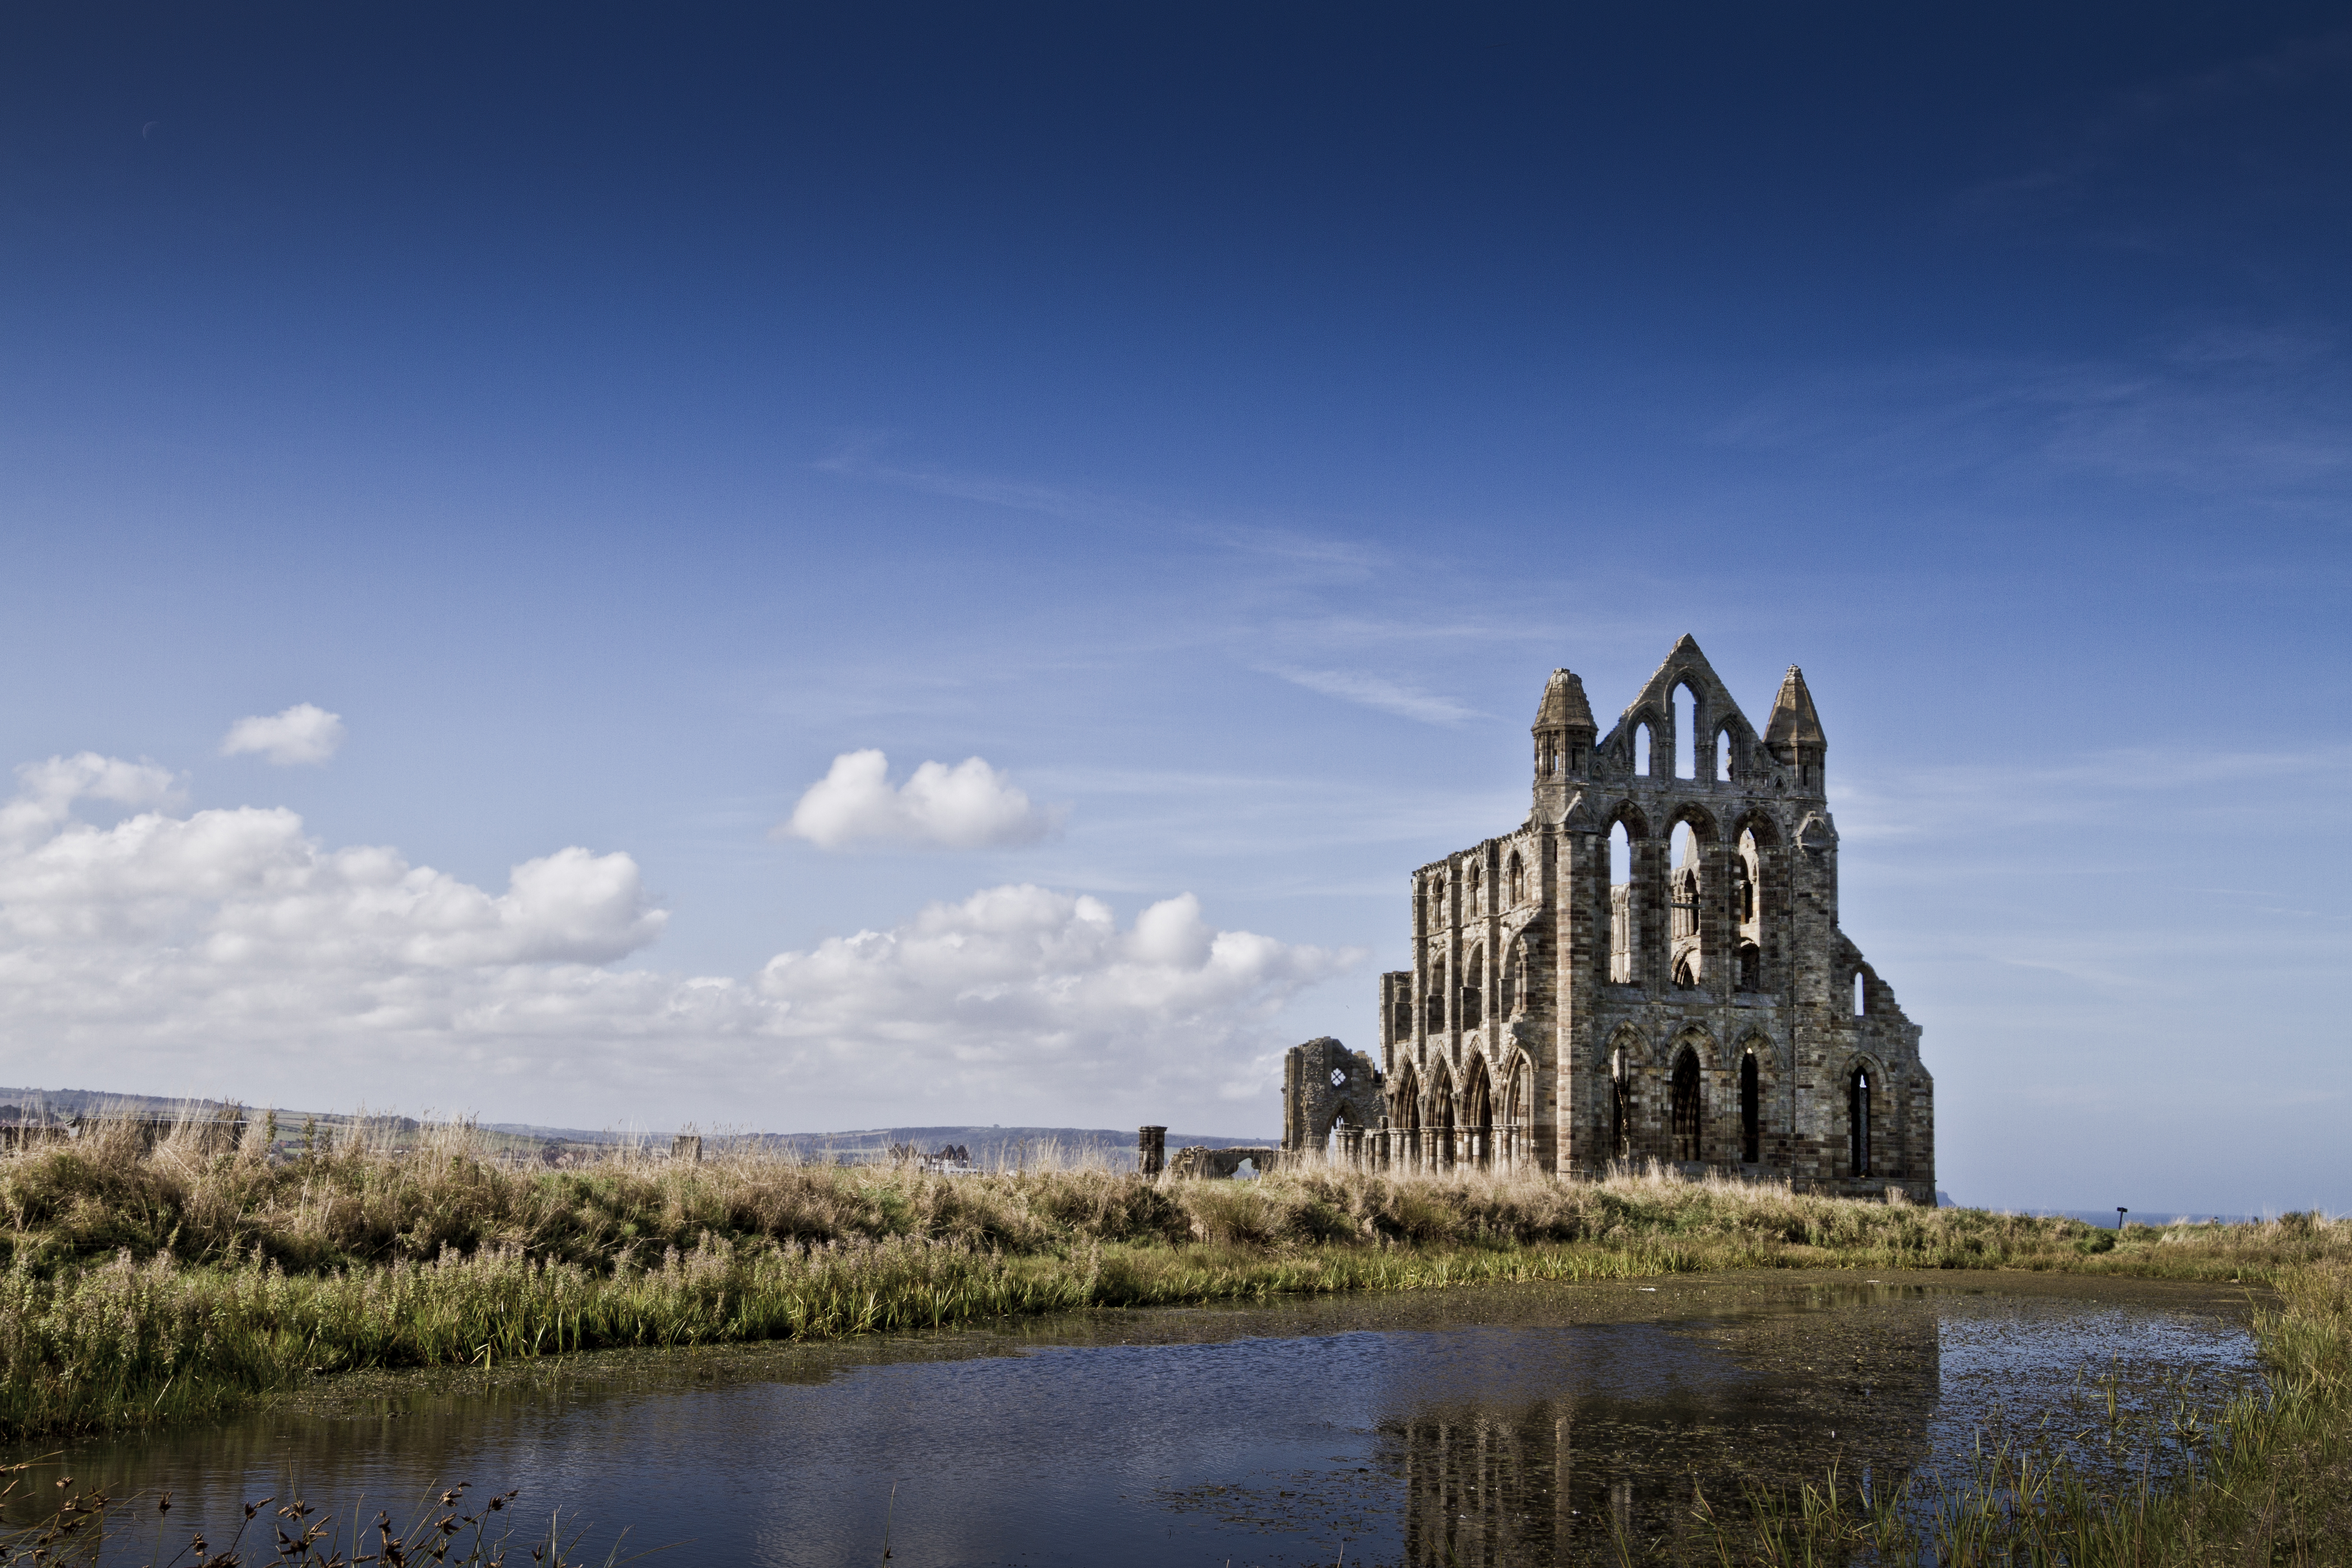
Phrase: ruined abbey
{"type": "Point", "coordinates": [1648, 968]}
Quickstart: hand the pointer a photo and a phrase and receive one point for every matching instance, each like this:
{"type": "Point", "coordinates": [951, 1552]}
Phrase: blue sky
{"type": "Point", "coordinates": [1219, 421]}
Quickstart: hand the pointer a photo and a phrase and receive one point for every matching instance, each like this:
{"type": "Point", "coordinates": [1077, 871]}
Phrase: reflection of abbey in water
{"type": "Point", "coordinates": [1567, 1477]}
{"type": "Point", "coordinates": [1648, 968]}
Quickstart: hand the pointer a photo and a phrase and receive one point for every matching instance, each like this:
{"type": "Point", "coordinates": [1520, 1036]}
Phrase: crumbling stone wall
{"type": "Point", "coordinates": [1194, 1161]}
{"type": "Point", "coordinates": [1324, 1083]}
{"type": "Point", "coordinates": [1702, 1014]}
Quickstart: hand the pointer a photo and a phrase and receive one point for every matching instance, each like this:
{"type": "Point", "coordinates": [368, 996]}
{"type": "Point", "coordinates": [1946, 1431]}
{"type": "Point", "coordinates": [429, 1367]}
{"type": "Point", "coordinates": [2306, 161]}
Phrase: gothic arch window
{"type": "Point", "coordinates": [1477, 884]}
{"type": "Point", "coordinates": [1518, 880]}
{"type": "Point", "coordinates": [1687, 1110]}
{"type": "Point", "coordinates": [1723, 756]}
{"type": "Point", "coordinates": [1751, 1109]}
{"type": "Point", "coordinates": [1683, 705]}
{"type": "Point", "coordinates": [1683, 904]}
{"type": "Point", "coordinates": [1621, 1106]}
{"type": "Point", "coordinates": [1752, 966]}
{"type": "Point", "coordinates": [1474, 988]}
{"type": "Point", "coordinates": [1861, 996]}
{"type": "Point", "coordinates": [1857, 1121]}
{"type": "Point", "coordinates": [1642, 749]}
{"type": "Point", "coordinates": [1621, 905]}
{"type": "Point", "coordinates": [1435, 1000]}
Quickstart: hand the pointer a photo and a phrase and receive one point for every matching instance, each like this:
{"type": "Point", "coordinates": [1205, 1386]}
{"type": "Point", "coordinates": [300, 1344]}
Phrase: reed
{"type": "Point", "coordinates": [77, 1529]}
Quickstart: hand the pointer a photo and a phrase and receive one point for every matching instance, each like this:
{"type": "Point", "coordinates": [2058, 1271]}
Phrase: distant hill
{"type": "Point", "coordinates": [990, 1146]}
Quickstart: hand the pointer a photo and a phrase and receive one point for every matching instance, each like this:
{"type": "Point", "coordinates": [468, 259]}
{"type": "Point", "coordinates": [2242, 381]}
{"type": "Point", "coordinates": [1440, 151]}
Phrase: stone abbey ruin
{"type": "Point", "coordinates": [1648, 969]}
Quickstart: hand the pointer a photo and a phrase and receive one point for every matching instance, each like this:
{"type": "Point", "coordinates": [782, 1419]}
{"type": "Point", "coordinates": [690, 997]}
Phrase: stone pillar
{"type": "Point", "coordinates": [687, 1147]}
{"type": "Point", "coordinates": [1151, 1150]}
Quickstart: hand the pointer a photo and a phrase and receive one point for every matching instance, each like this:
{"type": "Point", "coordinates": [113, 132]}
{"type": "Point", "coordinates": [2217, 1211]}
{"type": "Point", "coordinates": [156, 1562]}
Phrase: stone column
{"type": "Point", "coordinates": [1151, 1150]}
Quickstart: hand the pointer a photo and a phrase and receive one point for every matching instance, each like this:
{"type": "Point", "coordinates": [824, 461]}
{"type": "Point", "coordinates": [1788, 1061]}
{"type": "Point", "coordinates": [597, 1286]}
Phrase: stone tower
{"type": "Point", "coordinates": [1696, 1005]}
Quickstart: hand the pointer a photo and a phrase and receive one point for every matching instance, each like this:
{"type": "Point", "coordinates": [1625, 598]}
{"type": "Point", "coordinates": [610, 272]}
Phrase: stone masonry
{"type": "Point", "coordinates": [1699, 1007]}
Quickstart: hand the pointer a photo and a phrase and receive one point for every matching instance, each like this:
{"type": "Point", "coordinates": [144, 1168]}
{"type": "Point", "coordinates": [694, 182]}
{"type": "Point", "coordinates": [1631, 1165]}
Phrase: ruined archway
{"type": "Point", "coordinates": [1479, 1117]}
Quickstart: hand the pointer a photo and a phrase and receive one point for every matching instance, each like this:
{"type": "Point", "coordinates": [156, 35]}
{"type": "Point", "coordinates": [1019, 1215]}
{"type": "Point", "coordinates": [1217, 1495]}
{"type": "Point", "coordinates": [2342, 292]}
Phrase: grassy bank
{"type": "Point", "coordinates": [149, 1285]}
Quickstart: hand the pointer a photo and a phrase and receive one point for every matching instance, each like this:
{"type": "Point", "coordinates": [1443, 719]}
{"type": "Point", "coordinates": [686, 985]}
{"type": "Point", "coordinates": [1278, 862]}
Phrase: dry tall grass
{"type": "Point", "coordinates": [359, 1203]}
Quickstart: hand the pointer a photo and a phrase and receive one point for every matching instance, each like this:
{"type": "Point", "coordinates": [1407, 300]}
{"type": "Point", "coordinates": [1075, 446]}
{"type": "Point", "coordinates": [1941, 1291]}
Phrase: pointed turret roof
{"type": "Point", "coordinates": [1793, 720]}
{"type": "Point", "coordinates": [1563, 706]}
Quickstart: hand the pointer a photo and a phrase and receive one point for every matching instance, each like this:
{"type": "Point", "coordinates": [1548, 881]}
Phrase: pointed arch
{"type": "Point", "coordinates": [1758, 1064]}
{"type": "Point", "coordinates": [1473, 1008]}
{"type": "Point", "coordinates": [1405, 1115]}
{"type": "Point", "coordinates": [1518, 1108]}
{"type": "Point", "coordinates": [1478, 1114]}
{"type": "Point", "coordinates": [1693, 1059]}
{"type": "Point", "coordinates": [1438, 1124]}
{"type": "Point", "coordinates": [1627, 828]}
{"type": "Point", "coordinates": [1868, 1101]}
{"type": "Point", "coordinates": [1758, 899]}
{"type": "Point", "coordinates": [1691, 727]}
{"type": "Point", "coordinates": [1624, 1059]}
{"type": "Point", "coordinates": [1693, 938]}
{"type": "Point", "coordinates": [1517, 874]}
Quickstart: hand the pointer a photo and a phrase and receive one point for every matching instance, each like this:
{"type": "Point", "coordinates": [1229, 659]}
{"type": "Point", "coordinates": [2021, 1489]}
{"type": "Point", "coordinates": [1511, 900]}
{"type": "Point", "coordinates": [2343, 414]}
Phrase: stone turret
{"type": "Point", "coordinates": [1793, 734]}
{"type": "Point", "coordinates": [1563, 732]}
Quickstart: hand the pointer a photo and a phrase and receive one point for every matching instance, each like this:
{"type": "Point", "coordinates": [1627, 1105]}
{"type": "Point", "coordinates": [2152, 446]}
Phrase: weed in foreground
{"type": "Point", "coordinates": [293, 1535]}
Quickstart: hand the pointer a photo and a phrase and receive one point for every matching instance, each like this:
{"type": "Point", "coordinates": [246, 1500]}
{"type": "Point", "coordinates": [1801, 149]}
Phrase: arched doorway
{"type": "Point", "coordinates": [1687, 1109]}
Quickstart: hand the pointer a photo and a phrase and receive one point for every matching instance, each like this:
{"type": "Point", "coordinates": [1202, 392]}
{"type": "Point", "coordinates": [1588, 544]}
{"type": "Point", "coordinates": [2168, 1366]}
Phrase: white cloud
{"type": "Point", "coordinates": [303, 732]}
{"type": "Point", "coordinates": [230, 952]}
{"type": "Point", "coordinates": [46, 791]}
{"type": "Point", "coordinates": [1023, 992]}
{"type": "Point", "coordinates": [968, 807]}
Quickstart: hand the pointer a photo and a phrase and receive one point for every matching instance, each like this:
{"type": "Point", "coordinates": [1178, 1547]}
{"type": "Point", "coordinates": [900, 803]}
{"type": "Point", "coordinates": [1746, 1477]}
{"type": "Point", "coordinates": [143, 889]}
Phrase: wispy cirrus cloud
{"type": "Point", "coordinates": [2264, 409]}
{"type": "Point", "coordinates": [1376, 692]}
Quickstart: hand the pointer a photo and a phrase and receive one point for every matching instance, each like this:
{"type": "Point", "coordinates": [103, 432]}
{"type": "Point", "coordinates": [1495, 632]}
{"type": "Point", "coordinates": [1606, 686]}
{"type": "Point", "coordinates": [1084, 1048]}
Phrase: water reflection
{"type": "Point", "coordinates": [1517, 1425]}
{"type": "Point", "coordinates": [1663, 1416]}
